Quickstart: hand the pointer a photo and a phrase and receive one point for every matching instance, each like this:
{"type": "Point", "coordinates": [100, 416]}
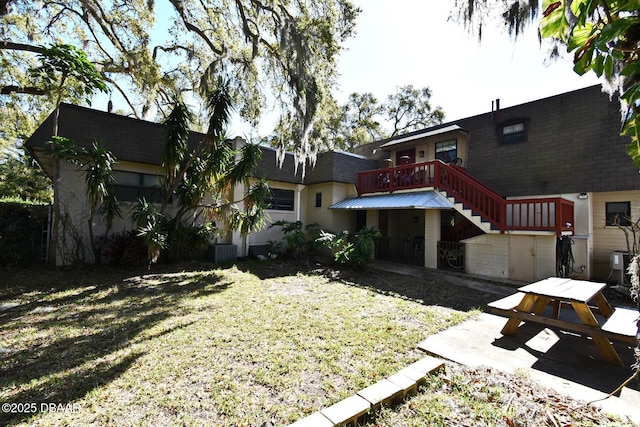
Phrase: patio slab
{"type": "Point", "coordinates": [568, 363]}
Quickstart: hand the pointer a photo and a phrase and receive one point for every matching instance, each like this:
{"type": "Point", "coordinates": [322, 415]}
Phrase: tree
{"type": "Point", "coordinates": [409, 109]}
{"type": "Point", "coordinates": [361, 121]}
{"type": "Point", "coordinates": [19, 179]}
{"type": "Point", "coordinates": [515, 15]}
{"type": "Point", "coordinates": [63, 70]}
{"type": "Point", "coordinates": [98, 176]}
{"type": "Point", "coordinates": [273, 52]}
{"type": "Point", "coordinates": [192, 175]}
{"type": "Point", "coordinates": [362, 118]}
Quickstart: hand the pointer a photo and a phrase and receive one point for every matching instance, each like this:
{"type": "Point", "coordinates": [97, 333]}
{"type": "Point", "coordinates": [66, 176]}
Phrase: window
{"type": "Point", "coordinates": [618, 213]}
{"type": "Point", "coordinates": [318, 200]}
{"type": "Point", "coordinates": [131, 186]}
{"type": "Point", "coordinates": [447, 151]}
{"type": "Point", "coordinates": [513, 132]}
{"type": "Point", "coordinates": [280, 200]}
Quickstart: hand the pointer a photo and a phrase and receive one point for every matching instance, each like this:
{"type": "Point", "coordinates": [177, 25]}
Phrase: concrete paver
{"type": "Point", "coordinates": [566, 362]}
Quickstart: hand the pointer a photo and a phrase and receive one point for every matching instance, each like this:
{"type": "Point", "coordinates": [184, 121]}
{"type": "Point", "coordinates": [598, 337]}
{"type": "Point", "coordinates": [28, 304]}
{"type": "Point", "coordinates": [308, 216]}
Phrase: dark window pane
{"type": "Point", "coordinates": [618, 213]}
{"type": "Point", "coordinates": [513, 132]}
{"type": "Point", "coordinates": [131, 186]}
{"type": "Point", "coordinates": [281, 200]}
{"type": "Point", "coordinates": [447, 151]}
{"type": "Point", "coordinates": [126, 193]}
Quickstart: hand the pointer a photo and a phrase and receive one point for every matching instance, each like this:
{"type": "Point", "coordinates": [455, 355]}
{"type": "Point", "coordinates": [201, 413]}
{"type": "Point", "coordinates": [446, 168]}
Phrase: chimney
{"type": "Point", "coordinates": [495, 113]}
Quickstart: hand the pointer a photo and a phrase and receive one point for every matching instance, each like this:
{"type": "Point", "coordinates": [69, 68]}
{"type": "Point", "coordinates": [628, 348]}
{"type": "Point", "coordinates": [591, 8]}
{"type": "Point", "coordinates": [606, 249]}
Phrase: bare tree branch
{"type": "Point", "coordinates": [178, 6]}
{"type": "Point", "coordinates": [7, 45]}
{"type": "Point", "coordinates": [169, 49]}
{"type": "Point", "coordinates": [124, 95]}
{"type": "Point", "coordinates": [6, 90]}
{"type": "Point", "coordinates": [101, 19]}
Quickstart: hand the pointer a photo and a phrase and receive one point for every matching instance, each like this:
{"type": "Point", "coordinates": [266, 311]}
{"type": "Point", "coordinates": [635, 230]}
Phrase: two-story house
{"type": "Point", "coordinates": [491, 195]}
{"type": "Point", "coordinates": [516, 179]}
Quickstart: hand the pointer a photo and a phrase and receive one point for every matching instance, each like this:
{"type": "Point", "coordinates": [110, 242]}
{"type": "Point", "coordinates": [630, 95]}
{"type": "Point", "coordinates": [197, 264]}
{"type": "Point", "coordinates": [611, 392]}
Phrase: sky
{"type": "Point", "coordinates": [403, 42]}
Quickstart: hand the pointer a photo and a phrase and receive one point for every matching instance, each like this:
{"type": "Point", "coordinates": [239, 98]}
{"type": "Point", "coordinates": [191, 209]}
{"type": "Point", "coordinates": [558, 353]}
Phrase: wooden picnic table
{"type": "Point", "coordinates": [586, 299]}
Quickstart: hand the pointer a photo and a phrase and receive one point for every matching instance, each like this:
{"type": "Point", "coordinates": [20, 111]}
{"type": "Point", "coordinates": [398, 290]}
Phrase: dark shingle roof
{"type": "Point", "coordinates": [129, 139]}
{"type": "Point", "coordinates": [141, 141]}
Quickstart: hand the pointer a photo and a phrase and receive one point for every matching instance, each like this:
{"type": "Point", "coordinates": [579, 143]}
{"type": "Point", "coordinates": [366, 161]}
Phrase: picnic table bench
{"type": "Point", "coordinates": [585, 298]}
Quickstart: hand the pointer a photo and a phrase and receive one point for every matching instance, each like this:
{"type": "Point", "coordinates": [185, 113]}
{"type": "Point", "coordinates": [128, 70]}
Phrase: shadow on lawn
{"type": "Point", "coordinates": [105, 314]}
{"type": "Point", "coordinates": [418, 289]}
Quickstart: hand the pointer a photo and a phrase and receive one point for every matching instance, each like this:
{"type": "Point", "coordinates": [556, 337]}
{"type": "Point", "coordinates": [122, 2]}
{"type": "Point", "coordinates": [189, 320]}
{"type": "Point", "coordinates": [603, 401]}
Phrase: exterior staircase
{"type": "Point", "coordinates": [469, 214]}
{"type": "Point", "coordinates": [491, 212]}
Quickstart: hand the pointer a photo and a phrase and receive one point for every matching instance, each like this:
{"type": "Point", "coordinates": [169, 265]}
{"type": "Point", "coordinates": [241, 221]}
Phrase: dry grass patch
{"type": "Point", "coordinates": [263, 345]}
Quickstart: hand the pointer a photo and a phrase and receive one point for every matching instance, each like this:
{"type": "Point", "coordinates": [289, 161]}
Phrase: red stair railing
{"type": "Point", "coordinates": [545, 214]}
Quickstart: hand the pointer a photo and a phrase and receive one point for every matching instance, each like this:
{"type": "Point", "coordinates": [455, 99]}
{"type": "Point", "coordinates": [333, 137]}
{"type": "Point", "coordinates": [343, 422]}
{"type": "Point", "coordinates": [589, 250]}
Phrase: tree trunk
{"type": "Point", "coordinates": [55, 226]}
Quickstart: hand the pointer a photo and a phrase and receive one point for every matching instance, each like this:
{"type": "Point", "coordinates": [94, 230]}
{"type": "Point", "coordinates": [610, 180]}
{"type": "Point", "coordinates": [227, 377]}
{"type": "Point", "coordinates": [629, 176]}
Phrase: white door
{"type": "Point", "coordinates": [522, 258]}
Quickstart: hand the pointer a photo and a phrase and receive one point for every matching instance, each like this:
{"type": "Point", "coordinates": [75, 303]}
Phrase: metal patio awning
{"type": "Point", "coordinates": [423, 200]}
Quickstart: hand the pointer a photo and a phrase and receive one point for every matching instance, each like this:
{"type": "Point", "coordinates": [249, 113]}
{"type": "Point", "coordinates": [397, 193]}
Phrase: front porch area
{"type": "Point", "coordinates": [423, 236]}
{"type": "Point", "coordinates": [429, 231]}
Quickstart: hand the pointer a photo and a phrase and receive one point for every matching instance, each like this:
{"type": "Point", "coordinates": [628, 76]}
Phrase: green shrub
{"type": "Point", "coordinates": [22, 233]}
{"type": "Point", "coordinates": [189, 242]}
{"type": "Point", "coordinates": [346, 250]}
{"type": "Point", "coordinates": [297, 242]}
{"type": "Point", "coordinates": [125, 249]}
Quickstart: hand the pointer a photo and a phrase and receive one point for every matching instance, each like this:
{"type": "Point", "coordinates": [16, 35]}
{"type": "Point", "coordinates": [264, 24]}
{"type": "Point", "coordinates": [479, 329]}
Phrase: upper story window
{"type": "Point", "coordinates": [131, 186]}
{"type": "Point", "coordinates": [513, 132]}
{"type": "Point", "coordinates": [280, 200]}
{"type": "Point", "coordinates": [447, 151]}
{"type": "Point", "coordinates": [618, 213]}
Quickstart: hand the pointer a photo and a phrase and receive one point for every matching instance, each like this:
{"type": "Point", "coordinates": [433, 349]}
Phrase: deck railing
{"type": "Point", "coordinates": [544, 214]}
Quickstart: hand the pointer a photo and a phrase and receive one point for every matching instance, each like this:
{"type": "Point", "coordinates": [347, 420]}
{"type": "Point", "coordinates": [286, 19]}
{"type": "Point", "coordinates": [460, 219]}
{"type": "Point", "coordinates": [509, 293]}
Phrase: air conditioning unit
{"type": "Point", "coordinates": [619, 261]}
{"type": "Point", "coordinates": [222, 252]}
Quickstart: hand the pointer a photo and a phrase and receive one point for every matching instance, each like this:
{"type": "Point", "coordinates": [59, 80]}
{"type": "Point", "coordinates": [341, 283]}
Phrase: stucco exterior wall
{"type": "Point", "coordinates": [330, 220]}
{"type": "Point", "coordinates": [428, 147]}
{"type": "Point", "coordinates": [432, 227]}
{"type": "Point", "coordinates": [268, 233]}
{"type": "Point", "coordinates": [74, 243]}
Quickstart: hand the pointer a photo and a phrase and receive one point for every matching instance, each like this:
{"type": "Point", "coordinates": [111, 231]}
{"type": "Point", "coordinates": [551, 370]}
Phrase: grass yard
{"type": "Point", "coordinates": [258, 344]}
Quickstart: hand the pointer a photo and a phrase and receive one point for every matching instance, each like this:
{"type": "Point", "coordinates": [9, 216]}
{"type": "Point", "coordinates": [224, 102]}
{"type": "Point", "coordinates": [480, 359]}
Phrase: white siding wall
{"type": "Point", "coordinates": [607, 239]}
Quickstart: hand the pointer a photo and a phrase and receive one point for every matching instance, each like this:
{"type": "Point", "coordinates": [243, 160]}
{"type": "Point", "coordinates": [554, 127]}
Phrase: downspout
{"type": "Point", "coordinates": [299, 188]}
